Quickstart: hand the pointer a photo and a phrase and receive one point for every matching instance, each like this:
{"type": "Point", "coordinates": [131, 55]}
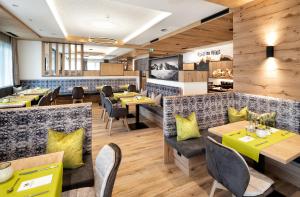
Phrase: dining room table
{"type": "Point", "coordinates": [17, 101]}
{"type": "Point", "coordinates": [35, 176]}
{"type": "Point", "coordinates": [280, 145]}
{"type": "Point", "coordinates": [125, 94]}
{"type": "Point", "coordinates": [136, 101]}
{"type": "Point", "coordinates": [35, 91]}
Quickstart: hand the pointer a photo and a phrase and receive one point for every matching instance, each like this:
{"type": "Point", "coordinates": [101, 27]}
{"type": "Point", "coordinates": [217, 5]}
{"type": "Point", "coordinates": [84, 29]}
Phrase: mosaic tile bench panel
{"type": "Point", "coordinates": [23, 132]}
{"type": "Point", "coordinates": [211, 109]}
{"type": "Point", "coordinates": [287, 111]}
{"type": "Point", "coordinates": [66, 84]}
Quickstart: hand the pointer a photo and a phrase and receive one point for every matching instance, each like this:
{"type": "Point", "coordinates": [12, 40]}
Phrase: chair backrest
{"type": "Point", "coordinates": [77, 93]}
{"type": "Point", "coordinates": [132, 88]}
{"type": "Point", "coordinates": [107, 164]}
{"type": "Point", "coordinates": [43, 101]}
{"type": "Point", "coordinates": [55, 93]}
{"type": "Point", "coordinates": [49, 98]}
{"type": "Point", "coordinates": [108, 105]}
{"type": "Point", "coordinates": [102, 99]}
{"type": "Point", "coordinates": [108, 91]}
{"type": "Point", "coordinates": [227, 167]}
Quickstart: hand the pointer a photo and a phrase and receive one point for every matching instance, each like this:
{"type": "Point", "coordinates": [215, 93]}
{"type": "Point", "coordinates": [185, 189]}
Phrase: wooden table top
{"type": "Point", "coordinates": [31, 162]}
{"type": "Point", "coordinates": [35, 91]}
{"type": "Point", "coordinates": [283, 152]}
{"type": "Point", "coordinates": [134, 101]}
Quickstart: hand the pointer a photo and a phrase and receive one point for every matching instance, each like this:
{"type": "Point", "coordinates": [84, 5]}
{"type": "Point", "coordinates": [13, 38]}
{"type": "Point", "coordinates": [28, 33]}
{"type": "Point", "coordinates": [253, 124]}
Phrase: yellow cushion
{"type": "Point", "coordinates": [187, 127]}
{"type": "Point", "coordinates": [235, 116]}
{"type": "Point", "coordinates": [71, 144]}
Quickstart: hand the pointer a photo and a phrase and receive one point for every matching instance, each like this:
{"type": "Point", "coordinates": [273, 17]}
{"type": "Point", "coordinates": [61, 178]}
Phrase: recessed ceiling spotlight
{"type": "Point", "coordinates": [15, 5]}
{"type": "Point", "coordinates": [90, 49]}
{"type": "Point", "coordinates": [164, 30]}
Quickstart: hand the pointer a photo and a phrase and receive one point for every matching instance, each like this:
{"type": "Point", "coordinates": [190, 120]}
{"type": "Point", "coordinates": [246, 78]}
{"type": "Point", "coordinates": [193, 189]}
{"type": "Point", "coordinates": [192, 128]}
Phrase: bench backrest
{"type": "Point", "coordinates": [163, 90]}
{"type": "Point", "coordinates": [24, 131]}
{"type": "Point", "coordinates": [211, 109]}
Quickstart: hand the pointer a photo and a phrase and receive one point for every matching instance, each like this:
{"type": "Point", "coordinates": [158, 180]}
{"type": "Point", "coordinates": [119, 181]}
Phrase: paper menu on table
{"type": "Point", "coordinates": [246, 139]}
{"type": "Point", "coordinates": [33, 183]}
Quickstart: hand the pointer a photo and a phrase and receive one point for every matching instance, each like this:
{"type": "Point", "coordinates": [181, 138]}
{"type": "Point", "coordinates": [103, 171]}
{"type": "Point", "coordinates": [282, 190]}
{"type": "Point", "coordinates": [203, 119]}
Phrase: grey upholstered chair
{"type": "Point", "coordinates": [107, 164]}
{"type": "Point", "coordinates": [108, 91]}
{"type": "Point", "coordinates": [49, 98]}
{"type": "Point", "coordinates": [132, 88]}
{"type": "Point", "coordinates": [77, 94]}
{"type": "Point", "coordinates": [115, 112]}
{"type": "Point", "coordinates": [231, 172]}
{"type": "Point", "coordinates": [55, 95]}
{"type": "Point", "coordinates": [43, 101]}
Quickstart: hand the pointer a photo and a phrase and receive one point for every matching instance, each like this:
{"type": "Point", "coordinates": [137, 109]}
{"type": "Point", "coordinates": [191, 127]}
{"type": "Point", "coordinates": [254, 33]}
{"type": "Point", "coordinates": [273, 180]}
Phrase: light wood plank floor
{"type": "Point", "coordinates": [142, 172]}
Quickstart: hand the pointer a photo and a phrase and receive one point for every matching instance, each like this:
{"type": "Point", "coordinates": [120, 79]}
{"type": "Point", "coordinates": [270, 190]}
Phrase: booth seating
{"type": "Point", "coordinates": [68, 84]}
{"type": "Point", "coordinates": [154, 112]}
{"type": "Point", "coordinates": [211, 111]}
{"type": "Point", "coordinates": [24, 132]}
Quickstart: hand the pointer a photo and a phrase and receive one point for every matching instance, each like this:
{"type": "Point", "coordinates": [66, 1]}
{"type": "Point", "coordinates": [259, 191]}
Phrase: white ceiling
{"type": "Point", "coordinates": [126, 17]}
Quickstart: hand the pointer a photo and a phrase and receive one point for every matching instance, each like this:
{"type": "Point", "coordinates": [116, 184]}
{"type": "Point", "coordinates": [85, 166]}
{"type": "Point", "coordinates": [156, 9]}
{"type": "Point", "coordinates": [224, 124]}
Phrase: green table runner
{"type": "Point", "coordinates": [252, 148]}
{"type": "Point", "coordinates": [141, 100]}
{"type": "Point", "coordinates": [54, 188]}
{"type": "Point", "coordinates": [123, 94]}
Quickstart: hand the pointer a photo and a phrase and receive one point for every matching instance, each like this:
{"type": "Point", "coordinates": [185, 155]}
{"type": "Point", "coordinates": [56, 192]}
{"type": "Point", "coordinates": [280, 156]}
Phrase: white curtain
{"type": "Point", "coordinates": [6, 68]}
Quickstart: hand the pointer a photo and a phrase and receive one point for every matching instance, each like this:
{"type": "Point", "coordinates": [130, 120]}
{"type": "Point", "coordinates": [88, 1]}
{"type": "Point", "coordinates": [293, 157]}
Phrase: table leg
{"type": "Point", "coordinates": [137, 115]}
{"type": "Point", "coordinates": [260, 166]}
{"type": "Point", "coordinates": [137, 124]}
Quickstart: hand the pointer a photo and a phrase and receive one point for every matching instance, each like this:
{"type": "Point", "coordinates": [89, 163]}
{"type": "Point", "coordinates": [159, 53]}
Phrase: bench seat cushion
{"type": "Point", "coordinates": [158, 110]}
{"type": "Point", "coordinates": [79, 177]}
{"type": "Point", "coordinates": [188, 148]}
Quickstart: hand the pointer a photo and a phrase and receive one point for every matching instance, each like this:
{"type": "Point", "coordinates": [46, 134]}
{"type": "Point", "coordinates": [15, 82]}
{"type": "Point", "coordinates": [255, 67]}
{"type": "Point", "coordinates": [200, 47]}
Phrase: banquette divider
{"type": "Point", "coordinates": [211, 111]}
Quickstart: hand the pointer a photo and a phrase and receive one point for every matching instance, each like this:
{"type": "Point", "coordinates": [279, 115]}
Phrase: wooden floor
{"type": "Point", "coordinates": [142, 172]}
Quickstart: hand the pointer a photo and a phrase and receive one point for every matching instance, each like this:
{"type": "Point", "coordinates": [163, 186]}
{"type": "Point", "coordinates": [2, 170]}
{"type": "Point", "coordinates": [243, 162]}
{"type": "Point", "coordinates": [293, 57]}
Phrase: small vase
{"type": "Point", "coordinates": [6, 171]}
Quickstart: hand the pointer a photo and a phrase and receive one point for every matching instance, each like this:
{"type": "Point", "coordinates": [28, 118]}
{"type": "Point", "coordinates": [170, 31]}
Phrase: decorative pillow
{"type": "Point", "coordinates": [235, 116]}
{"type": "Point", "coordinates": [187, 128]}
{"type": "Point", "coordinates": [157, 99]}
{"type": "Point", "coordinates": [144, 92]}
{"type": "Point", "coordinates": [70, 143]}
{"type": "Point", "coordinates": [17, 89]}
{"type": "Point", "coordinates": [268, 119]}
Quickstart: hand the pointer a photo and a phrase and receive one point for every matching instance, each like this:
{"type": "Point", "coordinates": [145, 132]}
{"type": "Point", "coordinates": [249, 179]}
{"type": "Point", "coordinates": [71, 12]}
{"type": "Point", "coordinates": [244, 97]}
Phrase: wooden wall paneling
{"type": "Point", "coordinates": [63, 60]}
{"type": "Point", "coordinates": [230, 3]}
{"type": "Point", "coordinates": [109, 69]}
{"type": "Point", "coordinates": [50, 60]}
{"type": "Point", "coordinates": [256, 25]}
{"type": "Point", "coordinates": [76, 72]}
{"type": "Point", "coordinates": [193, 76]}
{"type": "Point", "coordinates": [190, 66]}
{"type": "Point", "coordinates": [131, 73]}
{"type": "Point", "coordinates": [70, 60]}
{"type": "Point", "coordinates": [91, 73]}
{"type": "Point", "coordinates": [56, 60]}
{"type": "Point", "coordinates": [43, 59]}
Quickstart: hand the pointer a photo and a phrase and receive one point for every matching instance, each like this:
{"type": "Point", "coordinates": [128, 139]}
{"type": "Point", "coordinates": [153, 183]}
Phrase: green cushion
{"type": "Point", "coordinates": [187, 128]}
{"type": "Point", "coordinates": [70, 143]}
{"type": "Point", "coordinates": [268, 119]}
{"type": "Point", "coordinates": [235, 115]}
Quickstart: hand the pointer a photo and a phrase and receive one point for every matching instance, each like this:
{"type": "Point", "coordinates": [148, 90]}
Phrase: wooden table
{"type": "Point", "coordinates": [35, 91]}
{"type": "Point", "coordinates": [35, 168]}
{"type": "Point", "coordinates": [133, 101]}
{"type": "Point", "coordinates": [17, 101]}
{"type": "Point", "coordinates": [125, 95]}
{"type": "Point", "coordinates": [283, 152]}
{"type": "Point", "coordinates": [83, 87]}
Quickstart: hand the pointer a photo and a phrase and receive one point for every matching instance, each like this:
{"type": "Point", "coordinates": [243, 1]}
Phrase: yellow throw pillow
{"type": "Point", "coordinates": [187, 128]}
{"type": "Point", "coordinates": [235, 116]}
{"type": "Point", "coordinates": [71, 144]}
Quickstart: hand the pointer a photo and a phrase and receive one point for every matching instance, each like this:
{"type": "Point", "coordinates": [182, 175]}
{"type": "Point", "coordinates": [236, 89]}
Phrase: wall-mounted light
{"type": "Point", "coordinates": [270, 51]}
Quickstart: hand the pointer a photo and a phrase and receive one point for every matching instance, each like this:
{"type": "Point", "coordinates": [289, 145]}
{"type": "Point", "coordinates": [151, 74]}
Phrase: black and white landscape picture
{"type": "Point", "coordinates": [165, 68]}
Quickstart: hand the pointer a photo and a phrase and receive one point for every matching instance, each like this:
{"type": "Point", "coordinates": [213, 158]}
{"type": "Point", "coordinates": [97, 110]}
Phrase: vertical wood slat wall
{"type": "Point", "coordinates": [59, 64]}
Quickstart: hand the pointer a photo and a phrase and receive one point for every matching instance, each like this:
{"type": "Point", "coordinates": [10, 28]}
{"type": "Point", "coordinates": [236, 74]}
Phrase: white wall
{"type": "Point", "coordinates": [30, 58]}
{"type": "Point", "coordinates": [192, 57]}
{"type": "Point", "coordinates": [188, 88]}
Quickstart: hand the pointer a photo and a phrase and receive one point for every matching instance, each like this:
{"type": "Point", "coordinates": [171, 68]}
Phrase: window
{"type": "Point", "coordinates": [93, 65]}
{"type": "Point", "coordinates": [6, 68]}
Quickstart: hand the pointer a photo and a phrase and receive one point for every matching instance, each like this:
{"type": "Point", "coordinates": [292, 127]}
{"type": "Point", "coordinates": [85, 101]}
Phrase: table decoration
{"type": "Point", "coordinates": [6, 171]}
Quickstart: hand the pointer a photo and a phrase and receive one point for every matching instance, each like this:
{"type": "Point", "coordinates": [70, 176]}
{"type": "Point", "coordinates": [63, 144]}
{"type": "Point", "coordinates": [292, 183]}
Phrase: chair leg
{"type": "Point", "coordinates": [213, 189]}
{"type": "Point", "coordinates": [102, 113]}
{"type": "Point", "coordinates": [103, 118]}
{"type": "Point", "coordinates": [110, 125]}
{"type": "Point", "coordinates": [106, 123]}
{"type": "Point", "coordinates": [126, 123]}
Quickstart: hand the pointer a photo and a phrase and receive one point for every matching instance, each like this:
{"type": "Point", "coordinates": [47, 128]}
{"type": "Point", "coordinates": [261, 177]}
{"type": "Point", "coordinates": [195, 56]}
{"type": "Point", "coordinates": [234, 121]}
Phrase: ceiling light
{"type": "Point", "coordinates": [54, 11]}
{"type": "Point", "coordinates": [164, 30]}
{"type": "Point", "coordinates": [147, 26]}
{"type": "Point", "coordinates": [90, 49]}
{"type": "Point", "coordinates": [15, 5]}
